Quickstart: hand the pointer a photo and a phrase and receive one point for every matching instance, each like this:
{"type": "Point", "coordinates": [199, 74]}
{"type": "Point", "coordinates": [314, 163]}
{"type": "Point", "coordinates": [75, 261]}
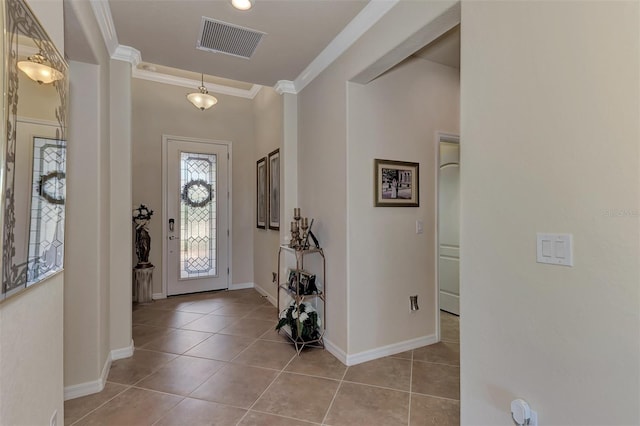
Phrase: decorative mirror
{"type": "Point", "coordinates": [33, 153]}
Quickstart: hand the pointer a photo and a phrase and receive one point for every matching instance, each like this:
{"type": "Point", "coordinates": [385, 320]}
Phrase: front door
{"type": "Point", "coordinates": [197, 215]}
{"type": "Point", "coordinates": [449, 225]}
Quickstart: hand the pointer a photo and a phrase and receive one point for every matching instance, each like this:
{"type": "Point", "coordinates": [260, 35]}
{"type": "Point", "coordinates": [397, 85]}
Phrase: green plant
{"type": "Point", "coordinates": [303, 320]}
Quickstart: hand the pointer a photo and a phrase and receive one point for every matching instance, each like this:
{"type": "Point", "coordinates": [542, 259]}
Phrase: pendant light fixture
{"type": "Point", "coordinates": [202, 99]}
{"type": "Point", "coordinates": [36, 69]}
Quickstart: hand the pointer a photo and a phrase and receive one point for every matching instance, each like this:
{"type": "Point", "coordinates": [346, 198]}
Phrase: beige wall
{"type": "Point", "coordinates": [83, 351]}
{"type": "Point", "coordinates": [550, 143]}
{"type": "Point", "coordinates": [120, 182]}
{"type": "Point", "coordinates": [163, 109]}
{"type": "Point", "coordinates": [268, 109]}
{"type": "Point", "coordinates": [31, 344]}
{"type": "Point", "coordinates": [395, 117]}
{"type": "Point", "coordinates": [322, 150]}
{"type": "Point", "coordinates": [87, 329]}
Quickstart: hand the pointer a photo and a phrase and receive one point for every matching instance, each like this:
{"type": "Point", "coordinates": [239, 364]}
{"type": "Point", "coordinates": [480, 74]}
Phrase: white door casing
{"type": "Point", "coordinates": [449, 224]}
{"type": "Point", "coordinates": [197, 197]}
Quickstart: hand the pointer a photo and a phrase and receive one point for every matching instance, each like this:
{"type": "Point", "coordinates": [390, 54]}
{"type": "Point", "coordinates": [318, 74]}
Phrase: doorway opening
{"type": "Point", "coordinates": [449, 223]}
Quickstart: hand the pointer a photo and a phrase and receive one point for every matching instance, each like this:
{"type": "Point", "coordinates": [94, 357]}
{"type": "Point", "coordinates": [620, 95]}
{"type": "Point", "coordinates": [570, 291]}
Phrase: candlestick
{"type": "Point", "coordinates": [296, 213]}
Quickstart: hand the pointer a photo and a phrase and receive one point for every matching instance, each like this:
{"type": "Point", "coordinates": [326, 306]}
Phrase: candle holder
{"type": "Point", "coordinates": [299, 240]}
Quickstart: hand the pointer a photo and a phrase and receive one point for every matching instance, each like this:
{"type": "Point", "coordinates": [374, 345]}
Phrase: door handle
{"type": "Point", "coordinates": [173, 237]}
{"type": "Point", "coordinates": [171, 222]}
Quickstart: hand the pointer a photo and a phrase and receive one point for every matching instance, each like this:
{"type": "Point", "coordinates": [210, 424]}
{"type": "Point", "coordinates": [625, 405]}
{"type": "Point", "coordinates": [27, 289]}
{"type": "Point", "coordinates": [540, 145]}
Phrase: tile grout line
{"type": "Point", "coordinates": [410, 390]}
{"type": "Point", "coordinates": [285, 417]}
{"type": "Point", "coordinates": [438, 363]}
{"type": "Point", "coordinates": [266, 389]}
{"type": "Point", "coordinates": [324, 419]}
{"type": "Point", "coordinates": [104, 403]}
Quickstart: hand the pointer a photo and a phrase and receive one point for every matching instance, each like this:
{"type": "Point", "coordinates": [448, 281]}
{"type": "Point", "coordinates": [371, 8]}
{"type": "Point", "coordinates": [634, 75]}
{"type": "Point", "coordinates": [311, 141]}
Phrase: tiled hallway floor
{"type": "Point", "coordinates": [215, 359]}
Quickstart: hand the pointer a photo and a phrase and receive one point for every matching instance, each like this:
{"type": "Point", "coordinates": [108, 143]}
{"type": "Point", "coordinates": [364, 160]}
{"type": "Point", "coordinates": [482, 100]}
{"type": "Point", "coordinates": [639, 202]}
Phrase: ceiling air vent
{"type": "Point", "coordinates": [222, 37]}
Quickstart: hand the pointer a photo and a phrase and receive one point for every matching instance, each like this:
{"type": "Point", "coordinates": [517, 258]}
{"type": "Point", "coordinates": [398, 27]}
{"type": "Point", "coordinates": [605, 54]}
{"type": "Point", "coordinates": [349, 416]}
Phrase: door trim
{"type": "Point", "coordinates": [165, 219]}
{"type": "Point", "coordinates": [440, 137]}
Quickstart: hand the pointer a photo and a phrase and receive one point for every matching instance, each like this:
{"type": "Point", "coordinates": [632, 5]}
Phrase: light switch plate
{"type": "Point", "coordinates": [555, 249]}
{"type": "Point", "coordinates": [419, 227]}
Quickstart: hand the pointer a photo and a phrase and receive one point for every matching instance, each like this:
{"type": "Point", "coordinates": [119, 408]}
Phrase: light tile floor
{"type": "Point", "coordinates": [215, 359]}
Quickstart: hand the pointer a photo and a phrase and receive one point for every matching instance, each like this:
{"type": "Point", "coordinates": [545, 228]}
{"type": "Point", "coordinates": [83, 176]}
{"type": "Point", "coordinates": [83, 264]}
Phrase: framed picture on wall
{"type": "Point", "coordinates": [274, 189]}
{"type": "Point", "coordinates": [396, 184]}
{"type": "Point", "coordinates": [261, 193]}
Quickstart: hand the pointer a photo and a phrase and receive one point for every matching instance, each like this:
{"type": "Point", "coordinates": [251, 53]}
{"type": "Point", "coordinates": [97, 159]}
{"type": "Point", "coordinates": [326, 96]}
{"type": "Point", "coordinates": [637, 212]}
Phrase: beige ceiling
{"type": "Point", "coordinates": [444, 50]}
{"type": "Point", "coordinates": [166, 31]}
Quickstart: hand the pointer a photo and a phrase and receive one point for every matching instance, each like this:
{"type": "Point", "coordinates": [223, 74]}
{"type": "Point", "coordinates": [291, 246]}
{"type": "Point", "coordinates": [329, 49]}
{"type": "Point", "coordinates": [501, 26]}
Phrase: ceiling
{"type": "Point", "coordinates": [444, 50]}
{"type": "Point", "coordinates": [166, 31]}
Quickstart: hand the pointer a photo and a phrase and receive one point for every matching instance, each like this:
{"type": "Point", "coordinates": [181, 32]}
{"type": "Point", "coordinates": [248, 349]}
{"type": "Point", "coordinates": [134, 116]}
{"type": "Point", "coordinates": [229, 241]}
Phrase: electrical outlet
{"type": "Point", "coordinates": [54, 418]}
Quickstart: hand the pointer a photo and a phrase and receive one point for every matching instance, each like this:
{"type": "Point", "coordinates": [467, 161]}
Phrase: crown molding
{"type": "Point", "coordinates": [285, 86]}
{"type": "Point", "coordinates": [255, 89]}
{"type": "Point", "coordinates": [102, 12]}
{"type": "Point", "coordinates": [127, 54]}
{"type": "Point", "coordinates": [193, 84]}
{"type": "Point", "coordinates": [363, 21]}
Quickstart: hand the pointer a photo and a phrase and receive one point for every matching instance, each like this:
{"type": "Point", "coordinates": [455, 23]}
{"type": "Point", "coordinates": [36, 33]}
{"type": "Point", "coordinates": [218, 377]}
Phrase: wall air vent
{"type": "Point", "coordinates": [222, 37]}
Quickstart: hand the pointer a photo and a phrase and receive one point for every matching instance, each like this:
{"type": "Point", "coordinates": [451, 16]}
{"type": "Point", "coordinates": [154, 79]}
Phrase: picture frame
{"type": "Point", "coordinates": [301, 282]}
{"type": "Point", "coordinates": [261, 193]}
{"type": "Point", "coordinates": [397, 183]}
{"type": "Point", "coordinates": [292, 279]}
{"type": "Point", "coordinates": [307, 283]}
{"type": "Point", "coordinates": [274, 189]}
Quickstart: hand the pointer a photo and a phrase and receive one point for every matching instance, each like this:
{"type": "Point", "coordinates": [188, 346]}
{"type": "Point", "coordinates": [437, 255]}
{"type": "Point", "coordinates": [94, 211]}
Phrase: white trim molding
{"type": "Point", "coordinates": [102, 12]}
{"type": "Point", "coordinates": [334, 350]}
{"type": "Point", "coordinates": [88, 388]}
{"type": "Point", "coordinates": [240, 286]}
{"type": "Point", "coordinates": [121, 353]}
{"type": "Point", "coordinates": [285, 86]}
{"type": "Point", "coordinates": [194, 84]}
{"type": "Point", "coordinates": [158, 296]}
{"type": "Point", "coordinates": [127, 54]}
{"type": "Point", "coordinates": [381, 352]}
{"type": "Point", "coordinates": [264, 293]}
{"type": "Point", "coordinates": [363, 21]}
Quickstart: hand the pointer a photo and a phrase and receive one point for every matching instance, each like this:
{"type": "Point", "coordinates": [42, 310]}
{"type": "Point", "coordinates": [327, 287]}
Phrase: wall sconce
{"type": "Point", "coordinates": [36, 69]}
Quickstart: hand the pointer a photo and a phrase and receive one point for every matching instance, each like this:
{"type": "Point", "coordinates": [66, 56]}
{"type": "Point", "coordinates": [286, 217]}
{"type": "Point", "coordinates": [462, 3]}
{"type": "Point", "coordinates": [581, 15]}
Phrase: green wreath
{"type": "Point", "coordinates": [51, 198]}
{"type": "Point", "coordinates": [186, 193]}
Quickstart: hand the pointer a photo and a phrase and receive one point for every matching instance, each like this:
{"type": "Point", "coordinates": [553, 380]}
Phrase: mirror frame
{"type": "Point", "coordinates": [18, 19]}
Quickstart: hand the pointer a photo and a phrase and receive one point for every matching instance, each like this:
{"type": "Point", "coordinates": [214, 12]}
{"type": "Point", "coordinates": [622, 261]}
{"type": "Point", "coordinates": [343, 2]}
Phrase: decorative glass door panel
{"type": "Point", "coordinates": [198, 215]}
{"type": "Point", "coordinates": [46, 234]}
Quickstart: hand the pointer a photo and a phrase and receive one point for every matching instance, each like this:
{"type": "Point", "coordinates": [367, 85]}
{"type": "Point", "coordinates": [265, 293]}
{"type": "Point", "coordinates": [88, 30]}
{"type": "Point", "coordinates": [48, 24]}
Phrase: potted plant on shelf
{"type": "Point", "coordinates": [303, 320]}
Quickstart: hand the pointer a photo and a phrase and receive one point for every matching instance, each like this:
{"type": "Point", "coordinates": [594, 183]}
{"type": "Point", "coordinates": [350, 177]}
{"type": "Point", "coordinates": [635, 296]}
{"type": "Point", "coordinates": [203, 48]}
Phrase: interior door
{"type": "Point", "coordinates": [449, 226]}
{"type": "Point", "coordinates": [197, 216]}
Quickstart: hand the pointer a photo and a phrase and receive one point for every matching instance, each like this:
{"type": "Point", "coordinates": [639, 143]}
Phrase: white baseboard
{"type": "Point", "coordinates": [335, 351]}
{"type": "Point", "coordinates": [123, 352]}
{"type": "Point", "coordinates": [240, 286]}
{"type": "Point", "coordinates": [395, 348]}
{"type": "Point", "coordinates": [88, 388]}
{"type": "Point", "coordinates": [158, 296]}
{"type": "Point", "coordinates": [263, 292]}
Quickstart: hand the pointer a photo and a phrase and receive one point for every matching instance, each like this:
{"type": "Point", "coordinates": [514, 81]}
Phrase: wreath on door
{"type": "Point", "coordinates": [56, 178]}
{"type": "Point", "coordinates": [197, 193]}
